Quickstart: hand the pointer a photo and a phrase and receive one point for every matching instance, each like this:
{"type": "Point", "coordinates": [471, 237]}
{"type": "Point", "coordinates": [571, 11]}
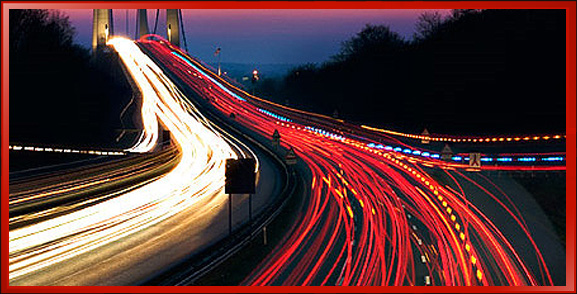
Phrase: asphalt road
{"type": "Point", "coordinates": [516, 198]}
{"type": "Point", "coordinates": [133, 239]}
{"type": "Point", "coordinates": [356, 228]}
{"type": "Point", "coordinates": [142, 255]}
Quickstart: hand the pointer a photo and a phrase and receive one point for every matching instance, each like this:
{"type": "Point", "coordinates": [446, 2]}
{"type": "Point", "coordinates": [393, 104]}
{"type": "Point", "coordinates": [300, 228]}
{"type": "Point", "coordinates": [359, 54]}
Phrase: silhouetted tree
{"type": "Point", "coordinates": [474, 71]}
{"type": "Point", "coordinates": [427, 25]}
{"type": "Point", "coordinates": [371, 40]}
{"type": "Point", "coordinates": [458, 13]}
{"type": "Point", "coordinates": [38, 31]}
{"type": "Point", "coordinates": [56, 96]}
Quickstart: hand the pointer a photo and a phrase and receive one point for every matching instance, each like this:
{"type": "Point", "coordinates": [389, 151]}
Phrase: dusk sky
{"type": "Point", "coordinates": [261, 36]}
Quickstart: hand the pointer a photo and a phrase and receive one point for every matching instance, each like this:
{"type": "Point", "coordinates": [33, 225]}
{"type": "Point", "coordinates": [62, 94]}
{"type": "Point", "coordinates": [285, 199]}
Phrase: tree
{"type": "Point", "coordinates": [56, 95]}
{"type": "Point", "coordinates": [371, 40]}
{"type": "Point", "coordinates": [427, 25]}
{"type": "Point", "coordinates": [305, 69]}
{"type": "Point", "coordinates": [40, 30]}
{"type": "Point", "coordinates": [458, 13]}
{"type": "Point", "coordinates": [467, 67]}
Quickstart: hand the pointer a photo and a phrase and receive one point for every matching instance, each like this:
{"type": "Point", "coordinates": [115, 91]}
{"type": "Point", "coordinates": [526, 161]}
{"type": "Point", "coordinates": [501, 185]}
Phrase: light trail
{"type": "Point", "coordinates": [91, 151]}
{"type": "Point", "coordinates": [356, 229]}
{"type": "Point", "coordinates": [198, 175]}
{"type": "Point", "coordinates": [471, 139]}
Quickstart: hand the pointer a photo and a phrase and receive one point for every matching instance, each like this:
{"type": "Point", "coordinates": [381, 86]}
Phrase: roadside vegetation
{"type": "Point", "coordinates": [57, 95]}
{"type": "Point", "coordinates": [549, 190]}
{"type": "Point", "coordinates": [471, 71]}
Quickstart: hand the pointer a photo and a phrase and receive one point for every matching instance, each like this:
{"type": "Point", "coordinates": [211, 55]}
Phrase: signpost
{"type": "Point", "coordinates": [475, 160]}
{"type": "Point", "coordinates": [240, 176]}
{"type": "Point", "coordinates": [426, 135]}
{"type": "Point", "coordinates": [290, 157]}
{"type": "Point", "coordinates": [447, 153]}
{"type": "Point", "coordinates": [275, 139]}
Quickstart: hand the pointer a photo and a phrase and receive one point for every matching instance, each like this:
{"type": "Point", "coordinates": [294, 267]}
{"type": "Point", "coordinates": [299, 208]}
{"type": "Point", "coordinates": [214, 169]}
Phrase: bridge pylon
{"type": "Point", "coordinates": [102, 28]}
{"type": "Point", "coordinates": [173, 26]}
{"type": "Point", "coordinates": [142, 23]}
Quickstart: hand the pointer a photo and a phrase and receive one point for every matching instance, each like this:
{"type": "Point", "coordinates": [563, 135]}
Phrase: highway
{"type": "Point", "coordinates": [381, 211]}
{"type": "Point", "coordinates": [106, 224]}
{"type": "Point", "coordinates": [376, 215]}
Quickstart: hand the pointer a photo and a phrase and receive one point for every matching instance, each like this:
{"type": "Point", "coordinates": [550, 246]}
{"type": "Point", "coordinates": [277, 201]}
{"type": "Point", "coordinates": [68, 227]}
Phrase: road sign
{"type": "Point", "coordinates": [290, 157]}
{"type": "Point", "coordinates": [240, 176]}
{"type": "Point", "coordinates": [426, 135]}
{"type": "Point", "coordinates": [275, 138]}
{"type": "Point", "coordinates": [446, 153]}
{"type": "Point", "coordinates": [475, 160]}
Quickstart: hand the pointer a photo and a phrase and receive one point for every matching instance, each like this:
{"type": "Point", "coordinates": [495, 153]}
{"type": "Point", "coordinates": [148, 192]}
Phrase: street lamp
{"type": "Point", "coordinates": [217, 53]}
{"type": "Point", "coordinates": [254, 80]}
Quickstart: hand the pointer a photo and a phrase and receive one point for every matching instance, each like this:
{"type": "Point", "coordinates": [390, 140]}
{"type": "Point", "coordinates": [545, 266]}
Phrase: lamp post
{"type": "Point", "coordinates": [254, 80]}
{"type": "Point", "coordinates": [219, 64]}
{"type": "Point", "coordinates": [217, 53]}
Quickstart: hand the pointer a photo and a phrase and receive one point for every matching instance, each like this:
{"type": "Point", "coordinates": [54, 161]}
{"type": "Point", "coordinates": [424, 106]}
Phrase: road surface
{"type": "Point", "coordinates": [132, 233]}
{"type": "Point", "coordinates": [372, 212]}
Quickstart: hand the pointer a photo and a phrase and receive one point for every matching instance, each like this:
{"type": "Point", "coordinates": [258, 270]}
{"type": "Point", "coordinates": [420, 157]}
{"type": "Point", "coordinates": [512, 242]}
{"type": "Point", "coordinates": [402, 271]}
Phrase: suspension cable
{"type": "Point", "coordinates": [156, 21]}
{"type": "Point", "coordinates": [136, 30]}
{"type": "Point", "coordinates": [182, 29]}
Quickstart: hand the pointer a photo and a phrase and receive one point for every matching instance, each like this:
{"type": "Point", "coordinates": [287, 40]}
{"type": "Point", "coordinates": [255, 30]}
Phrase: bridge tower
{"type": "Point", "coordinates": [142, 23]}
{"type": "Point", "coordinates": [102, 28]}
{"type": "Point", "coordinates": [173, 26]}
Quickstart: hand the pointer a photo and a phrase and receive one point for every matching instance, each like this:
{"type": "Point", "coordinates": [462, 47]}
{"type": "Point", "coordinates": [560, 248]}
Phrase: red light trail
{"type": "Point", "coordinates": [374, 217]}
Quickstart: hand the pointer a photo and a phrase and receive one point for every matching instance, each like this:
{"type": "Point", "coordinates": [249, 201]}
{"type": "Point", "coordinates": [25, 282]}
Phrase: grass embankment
{"type": "Point", "coordinates": [235, 269]}
{"type": "Point", "coordinates": [549, 190]}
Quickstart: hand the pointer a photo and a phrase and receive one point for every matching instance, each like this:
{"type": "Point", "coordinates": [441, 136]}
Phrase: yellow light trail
{"type": "Point", "coordinates": [444, 138]}
{"type": "Point", "coordinates": [199, 175]}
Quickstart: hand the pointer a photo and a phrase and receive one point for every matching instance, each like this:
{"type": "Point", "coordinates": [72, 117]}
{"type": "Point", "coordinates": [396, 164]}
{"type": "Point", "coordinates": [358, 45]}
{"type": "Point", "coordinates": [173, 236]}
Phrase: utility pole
{"type": "Point", "coordinates": [217, 53]}
{"type": "Point", "coordinates": [230, 214]}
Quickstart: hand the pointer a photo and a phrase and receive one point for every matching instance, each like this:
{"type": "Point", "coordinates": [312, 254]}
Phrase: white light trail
{"type": "Point", "coordinates": [199, 175]}
{"type": "Point", "coordinates": [67, 150]}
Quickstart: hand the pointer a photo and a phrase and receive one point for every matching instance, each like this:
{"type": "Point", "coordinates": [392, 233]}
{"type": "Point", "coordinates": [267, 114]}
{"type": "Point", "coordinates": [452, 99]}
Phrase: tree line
{"type": "Point", "coordinates": [471, 71]}
{"type": "Point", "coordinates": [57, 95]}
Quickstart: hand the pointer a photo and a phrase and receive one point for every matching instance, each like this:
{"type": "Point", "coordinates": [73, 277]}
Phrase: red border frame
{"type": "Point", "coordinates": [570, 8]}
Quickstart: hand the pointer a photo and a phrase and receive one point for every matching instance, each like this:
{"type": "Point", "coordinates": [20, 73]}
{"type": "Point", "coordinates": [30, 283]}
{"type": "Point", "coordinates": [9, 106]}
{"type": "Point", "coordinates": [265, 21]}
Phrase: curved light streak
{"type": "Point", "coordinates": [198, 175]}
{"type": "Point", "coordinates": [470, 139]}
{"type": "Point", "coordinates": [369, 209]}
